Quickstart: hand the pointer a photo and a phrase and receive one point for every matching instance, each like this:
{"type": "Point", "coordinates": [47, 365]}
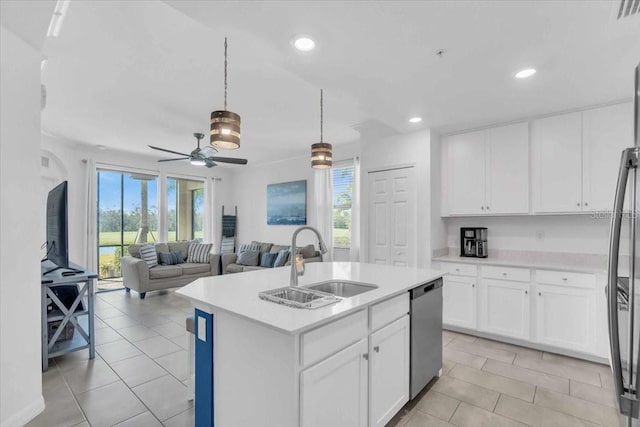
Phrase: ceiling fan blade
{"type": "Point", "coordinates": [229, 160]}
{"type": "Point", "coordinates": [173, 160]}
{"type": "Point", "coordinates": [168, 151]}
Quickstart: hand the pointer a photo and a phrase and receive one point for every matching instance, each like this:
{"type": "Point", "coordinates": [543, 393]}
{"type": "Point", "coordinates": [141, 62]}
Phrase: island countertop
{"type": "Point", "coordinates": [238, 293]}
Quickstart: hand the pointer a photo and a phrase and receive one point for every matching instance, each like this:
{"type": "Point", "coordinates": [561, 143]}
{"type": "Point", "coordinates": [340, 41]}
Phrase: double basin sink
{"type": "Point", "coordinates": [316, 295]}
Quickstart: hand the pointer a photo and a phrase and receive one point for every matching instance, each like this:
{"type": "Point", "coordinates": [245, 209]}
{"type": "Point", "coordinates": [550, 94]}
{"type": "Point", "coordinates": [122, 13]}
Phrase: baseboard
{"type": "Point", "coordinates": [25, 415]}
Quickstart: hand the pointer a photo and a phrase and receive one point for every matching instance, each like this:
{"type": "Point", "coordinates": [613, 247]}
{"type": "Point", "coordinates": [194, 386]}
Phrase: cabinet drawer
{"type": "Point", "coordinates": [328, 339]}
{"type": "Point", "coordinates": [459, 269]}
{"type": "Point", "coordinates": [578, 280]}
{"type": "Point", "coordinates": [506, 273]}
{"type": "Point", "coordinates": [387, 311]}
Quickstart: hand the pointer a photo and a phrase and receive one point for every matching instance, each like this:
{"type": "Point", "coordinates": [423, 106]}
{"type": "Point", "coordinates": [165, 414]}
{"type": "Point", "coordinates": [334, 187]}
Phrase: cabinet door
{"type": "Point", "coordinates": [507, 181]}
{"type": "Point", "coordinates": [466, 166]}
{"type": "Point", "coordinates": [389, 350]}
{"type": "Point", "coordinates": [334, 392]}
{"type": "Point", "coordinates": [556, 148]}
{"type": "Point", "coordinates": [606, 132]}
{"type": "Point", "coordinates": [565, 317]}
{"type": "Point", "coordinates": [504, 308]}
{"type": "Point", "coordinates": [459, 301]}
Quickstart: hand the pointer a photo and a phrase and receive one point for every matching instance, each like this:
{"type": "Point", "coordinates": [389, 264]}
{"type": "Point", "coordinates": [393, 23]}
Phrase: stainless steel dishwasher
{"type": "Point", "coordinates": [426, 334]}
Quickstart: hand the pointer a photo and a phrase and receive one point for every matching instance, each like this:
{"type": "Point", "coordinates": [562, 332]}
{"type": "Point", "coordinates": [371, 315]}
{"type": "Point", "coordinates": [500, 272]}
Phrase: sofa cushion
{"type": "Point", "coordinates": [267, 260]}
{"type": "Point", "coordinates": [248, 247]}
{"type": "Point", "coordinates": [308, 251]}
{"type": "Point", "coordinates": [165, 271]}
{"type": "Point", "coordinates": [251, 258]}
{"type": "Point", "coordinates": [182, 247]}
{"type": "Point", "coordinates": [199, 252]}
{"type": "Point", "coordinates": [149, 255]}
{"type": "Point", "coordinates": [277, 248]}
{"type": "Point", "coordinates": [282, 258]}
{"type": "Point", "coordinates": [252, 268]}
{"type": "Point", "coordinates": [134, 250]}
{"type": "Point", "coordinates": [161, 247]}
{"type": "Point", "coordinates": [264, 247]}
{"type": "Point", "coordinates": [169, 258]}
{"type": "Point", "coordinates": [234, 268]}
{"type": "Point", "coordinates": [195, 268]}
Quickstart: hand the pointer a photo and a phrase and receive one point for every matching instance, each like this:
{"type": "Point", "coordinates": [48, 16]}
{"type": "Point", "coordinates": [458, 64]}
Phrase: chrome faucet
{"type": "Point", "coordinates": [323, 250]}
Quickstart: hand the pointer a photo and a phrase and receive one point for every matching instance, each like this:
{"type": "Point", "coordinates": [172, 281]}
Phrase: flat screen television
{"type": "Point", "coordinates": [57, 243]}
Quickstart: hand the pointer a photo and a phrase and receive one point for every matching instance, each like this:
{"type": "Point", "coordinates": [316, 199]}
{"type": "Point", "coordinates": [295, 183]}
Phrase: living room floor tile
{"type": "Point", "coordinates": [109, 405]}
{"type": "Point", "coordinates": [117, 350]}
{"type": "Point", "coordinates": [157, 346]}
{"type": "Point", "coordinates": [171, 329]}
{"type": "Point", "coordinates": [61, 407]}
{"type": "Point", "coordinates": [88, 376]}
{"type": "Point", "coordinates": [137, 333]}
{"type": "Point", "coordinates": [138, 370]}
{"type": "Point", "coordinates": [182, 341]}
{"type": "Point", "coordinates": [146, 419]}
{"type": "Point", "coordinates": [165, 397]}
{"type": "Point", "coordinates": [177, 364]}
{"type": "Point", "coordinates": [106, 335]}
{"type": "Point", "coordinates": [121, 322]}
{"type": "Point", "coordinates": [186, 418]}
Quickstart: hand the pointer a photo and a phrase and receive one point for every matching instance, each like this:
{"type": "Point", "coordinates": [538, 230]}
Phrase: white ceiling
{"type": "Point", "coordinates": [131, 73]}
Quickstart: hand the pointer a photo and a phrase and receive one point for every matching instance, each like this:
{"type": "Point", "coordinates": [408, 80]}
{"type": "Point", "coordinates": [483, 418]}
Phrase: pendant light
{"type": "Point", "coordinates": [225, 125]}
{"type": "Point", "coordinates": [321, 157]}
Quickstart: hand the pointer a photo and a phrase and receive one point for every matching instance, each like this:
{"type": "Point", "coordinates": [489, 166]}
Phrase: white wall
{"type": "Point", "coordinates": [21, 231]}
{"type": "Point", "coordinates": [439, 232]}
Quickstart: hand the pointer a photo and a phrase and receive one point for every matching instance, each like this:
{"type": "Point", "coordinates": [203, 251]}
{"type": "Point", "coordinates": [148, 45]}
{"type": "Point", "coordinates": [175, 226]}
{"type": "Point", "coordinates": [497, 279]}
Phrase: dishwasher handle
{"type": "Point", "coordinates": [425, 289]}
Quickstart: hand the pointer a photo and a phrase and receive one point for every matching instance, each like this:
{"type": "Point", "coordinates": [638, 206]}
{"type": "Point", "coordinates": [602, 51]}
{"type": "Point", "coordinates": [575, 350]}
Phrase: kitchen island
{"type": "Point", "coordinates": [345, 364]}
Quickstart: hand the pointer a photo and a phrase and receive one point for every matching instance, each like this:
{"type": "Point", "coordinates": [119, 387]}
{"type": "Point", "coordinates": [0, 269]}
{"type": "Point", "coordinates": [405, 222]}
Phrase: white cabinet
{"type": "Point", "coordinates": [389, 359]}
{"type": "Point", "coordinates": [505, 307]}
{"type": "Point", "coordinates": [459, 301]}
{"type": "Point", "coordinates": [488, 171]}
{"type": "Point", "coordinates": [565, 317]}
{"type": "Point", "coordinates": [335, 391]}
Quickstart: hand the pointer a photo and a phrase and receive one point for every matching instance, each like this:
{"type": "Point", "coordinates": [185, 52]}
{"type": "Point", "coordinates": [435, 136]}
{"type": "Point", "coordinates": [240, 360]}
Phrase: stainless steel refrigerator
{"type": "Point", "coordinates": [623, 285]}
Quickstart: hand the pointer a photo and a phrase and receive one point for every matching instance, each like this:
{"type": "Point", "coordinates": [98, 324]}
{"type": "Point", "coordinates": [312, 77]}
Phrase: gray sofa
{"type": "Point", "coordinates": [229, 265]}
{"type": "Point", "coordinates": [142, 279]}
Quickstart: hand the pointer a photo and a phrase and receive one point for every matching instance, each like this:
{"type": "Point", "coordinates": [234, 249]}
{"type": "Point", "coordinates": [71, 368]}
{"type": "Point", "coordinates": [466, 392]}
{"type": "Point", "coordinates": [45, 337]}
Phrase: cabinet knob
{"type": "Point", "coordinates": [457, 269]}
{"type": "Point", "coordinates": [526, 292]}
{"type": "Point", "coordinates": [473, 285]}
{"type": "Point", "coordinates": [482, 207]}
{"type": "Point", "coordinates": [504, 274]}
{"type": "Point", "coordinates": [586, 203]}
{"type": "Point", "coordinates": [365, 356]}
{"type": "Point", "coordinates": [539, 294]}
{"type": "Point", "coordinates": [376, 349]}
{"type": "Point", "coordinates": [564, 279]}
{"type": "Point", "coordinates": [578, 204]}
{"type": "Point", "coordinates": [487, 207]}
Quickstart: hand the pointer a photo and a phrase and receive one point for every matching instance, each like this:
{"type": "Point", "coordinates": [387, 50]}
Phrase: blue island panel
{"type": "Point", "coordinates": [204, 369]}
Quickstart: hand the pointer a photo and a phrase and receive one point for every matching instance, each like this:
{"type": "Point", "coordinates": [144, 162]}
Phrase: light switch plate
{"type": "Point", "coordinates": [202, 329]}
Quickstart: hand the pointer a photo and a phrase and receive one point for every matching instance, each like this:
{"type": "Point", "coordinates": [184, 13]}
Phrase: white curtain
{"type": "Point", "coordinates": [354, 254]}
{"type": "Point", "coordinates": [323, 193]}
{"type": "Point", "coordinates": [211, 214]}
{"type": "Point", "coordinates": [91, 201]}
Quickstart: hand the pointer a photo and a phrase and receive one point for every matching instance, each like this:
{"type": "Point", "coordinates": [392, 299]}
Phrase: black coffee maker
{"type": "Point", "coordinates": [473, 242]}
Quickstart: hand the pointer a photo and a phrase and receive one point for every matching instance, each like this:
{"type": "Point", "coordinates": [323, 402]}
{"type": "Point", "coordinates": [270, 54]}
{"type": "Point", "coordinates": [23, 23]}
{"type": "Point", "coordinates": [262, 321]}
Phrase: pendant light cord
{"type": "Point", "coordinates": [321, 115]}
{"type": "Point", "coordinates": [225, 73]}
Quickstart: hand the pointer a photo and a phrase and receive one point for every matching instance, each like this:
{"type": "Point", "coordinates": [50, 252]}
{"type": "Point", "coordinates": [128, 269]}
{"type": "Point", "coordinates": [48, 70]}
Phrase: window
{"type": "Point", "coordinates": [342, 195]}
{"type": "Point", "coordinates": [185, 201]}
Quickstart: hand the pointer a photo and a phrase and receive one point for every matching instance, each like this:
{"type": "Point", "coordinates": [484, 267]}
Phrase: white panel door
{"type": "Point", "coordinates": [507, 181]}
{"type": "Point", "coordinates": [606, 132]}
{"type": "Point", "coordinates": [556, 148]}
{"type": "Point", "coordinates": [389, 357]}
{"type": "Point", "coordinates": [565, 317]}
{"type": "Point", "coordinates": [335, 391]}
{"type": "Point", "coordinates": [466, 176]}
{"type": "Point", "coordinates": [459, 301]}
{"type": "Point", "coordinates": [392, 217]}
{"type": "Point", "coordinates": [504, 308]}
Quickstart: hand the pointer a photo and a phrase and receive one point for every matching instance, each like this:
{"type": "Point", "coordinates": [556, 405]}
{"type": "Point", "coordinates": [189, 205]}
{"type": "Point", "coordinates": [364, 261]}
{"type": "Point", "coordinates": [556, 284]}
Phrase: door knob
{"type": "Point", "coordinates": [376, 349]}
{"type": "Point", "coordinates": [539, 294]}
{"type": "Point", "coordinates": [473, 285]}
{"type": "Point", "coordinates": [526, 292]}
{"type": "Point", "coordinates": [365, 356]}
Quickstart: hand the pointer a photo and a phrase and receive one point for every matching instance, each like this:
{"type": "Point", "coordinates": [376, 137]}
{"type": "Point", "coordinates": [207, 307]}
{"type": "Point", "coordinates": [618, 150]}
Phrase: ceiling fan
{"type": "Point", "coordinates": [205, 156]}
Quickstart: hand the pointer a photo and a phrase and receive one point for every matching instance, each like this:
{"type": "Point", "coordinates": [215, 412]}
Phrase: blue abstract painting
{"type": "Point", "coordinates": [287, 203]}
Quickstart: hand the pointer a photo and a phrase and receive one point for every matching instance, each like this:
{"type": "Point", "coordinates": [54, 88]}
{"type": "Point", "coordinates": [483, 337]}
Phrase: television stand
{"type": "Point", "coordinates": [70, 271]}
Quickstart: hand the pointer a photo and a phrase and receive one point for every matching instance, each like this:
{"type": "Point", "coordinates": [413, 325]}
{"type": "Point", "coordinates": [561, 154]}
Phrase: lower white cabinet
{"type": "Point", "coordinates": [459, 301]}
{"type": "Point", "coordinates": [389, 379]}
{"type": "Point", "coordinates": [335, 391]}
{"type": "Point", "coordinates": [565, 317]}
{"type": "Point", "coordinates": [504, 308]}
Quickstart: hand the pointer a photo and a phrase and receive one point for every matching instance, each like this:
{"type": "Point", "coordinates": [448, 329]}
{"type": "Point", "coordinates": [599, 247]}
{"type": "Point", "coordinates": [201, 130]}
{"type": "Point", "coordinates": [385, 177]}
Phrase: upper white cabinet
{"type": "Point", "coordinates": [488, 171]}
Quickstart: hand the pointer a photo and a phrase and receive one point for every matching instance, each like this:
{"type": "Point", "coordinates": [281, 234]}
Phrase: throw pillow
{"type": "Point", "coordinates": [267, 260]}
{"type": "Point", "coordinates": [277, 248]}
{"type": "Point", "coordinates": [249, 258]}
{"type": "Point", "coordinates": [148, 255]}
{"type": "Point", "coordinates": [264, 247]}
{"type": "Point", "coordinates": [282, 258]}
{"type": "Point", "coordinates": [170, 258]}
{"type": "Point", "coordinates": [199, 252]}
{"type": "Point", "coordinates": [248, 247]}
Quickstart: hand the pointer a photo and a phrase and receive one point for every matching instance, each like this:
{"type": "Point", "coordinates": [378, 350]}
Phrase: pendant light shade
{"type": "Point", "coordinates": [321, 152]}
{"type": "Point", "coordinates": [225, 125]}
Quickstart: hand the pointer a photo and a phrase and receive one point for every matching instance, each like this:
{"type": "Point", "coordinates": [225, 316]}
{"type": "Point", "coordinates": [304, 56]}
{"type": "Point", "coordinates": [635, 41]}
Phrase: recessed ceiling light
{"type": "Point", "coordinates": [525, 73]}
{"type": "Point", "coordinates": [303, 43]}
{"type": "Point", "coordinates": [415, 119]}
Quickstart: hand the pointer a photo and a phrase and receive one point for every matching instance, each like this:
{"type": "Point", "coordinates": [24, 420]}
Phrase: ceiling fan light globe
{"type": "Point", "coordinates": [197, 162]}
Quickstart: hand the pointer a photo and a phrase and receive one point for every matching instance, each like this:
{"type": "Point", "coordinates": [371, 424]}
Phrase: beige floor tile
{"type": "Point", "coordinates": [576, 363]}
{"type": "Point", "coordinates": [157, 346]}
{"type": "Point", "coordinates": [530, 352]}
{"type": "Point", "coordinates": [89, 375]}
{"type": "Point", "coordinates": [463, 357]}
{"type": "Point", "coordinates": [438, 405]}
{"type": "Point", "coordinates": [72, 360]}
{"type": "Point", "coordinates": [182, 341]}
{"type": "Point", "coordinates": [535, 415]}
{"type": "Point", "coordinates": [458, 336]}
{"type": "Point", "coordinates": [82, 424]}
{"type": "Point", "coordinates": [170, 329]}
{"type": "Point", "coordinates": [447, 365]}
{"type": "Point", "coordinates": [121, 322]}
{"type": "Point", "coordinates": [603, 396]}
{"type": "Point", "coordinates": [166, 397]}
{"type": "Point", "coordinates": [589, 411]}
{"type": "Point", "coordinates": [446, 339]}
{"type": "Point", "coordinates": [107, 312]}
{"type": "Point", "coordinates": [607, 380]}
{"type": "Point", "coordinates": [471, 416]}
{"type": "Point", "coordinates": [109, 405]}
{"type": "Point", "coordinates": [420, 419]}
{"type": "Point", "coordinates": [540, 379]}
{"type": "Point", "coordinates": [153, 320]}
{"type": "Point", "coordinates": [117, 350]}
{"type": "Point", "coordinates": [183, 419]}
{"type": "Point", "coordinates": [494, 382]}
{"type": "Point", "coordinates": [558, 369]}
{"type": "Point", "coordinates": [61, 409]}
{"type": "Point", "coordinates": [137, 333]}
{"type": "Point", "coordinates": [177, 364]}
{"type": "Point", "coordinates": [466, 392]}
{"type": "Point", "coordinates": [99, 324]}
{"type": "Point", "coordinates": [138, 370]}
{"type": "Point", "coordinates": [484, 351]}
{"type": "Point", "coordinates": [146, 419]}
{"type": "Point", "coordinates": [106, 335]}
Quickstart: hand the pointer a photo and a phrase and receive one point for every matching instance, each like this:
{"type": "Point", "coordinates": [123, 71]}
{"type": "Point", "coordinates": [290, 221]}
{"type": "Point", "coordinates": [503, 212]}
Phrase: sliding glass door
{"type": "Point", "coordinates": [185, 204]}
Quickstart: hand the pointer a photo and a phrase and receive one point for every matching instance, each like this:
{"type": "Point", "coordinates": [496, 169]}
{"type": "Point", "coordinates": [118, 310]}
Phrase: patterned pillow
{"type": "Point", "coordinates": [267, 260]}
{"type": "Point", "coordinates": [248, 247]}
{"type": "Point", "coordinates": [148, 255]}
{"type": "Point", "coordinates": [199, 252]}
{"type": "Point", "coordinates": [170, 258]}
{"type": "Point", "coordinates": [249, 258]}
{"type": "Point", "coordinates": [282, 258]}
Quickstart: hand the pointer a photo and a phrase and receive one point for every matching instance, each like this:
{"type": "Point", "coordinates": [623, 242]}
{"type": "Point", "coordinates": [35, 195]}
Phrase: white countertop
{"type": "Point", "coordinates": [238, 293]}
{"type": "Point", "coordinates": [561, 265]}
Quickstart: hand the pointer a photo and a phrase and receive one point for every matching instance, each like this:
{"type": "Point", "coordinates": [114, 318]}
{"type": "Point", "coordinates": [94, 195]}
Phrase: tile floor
{"type": "Point", "coordinates": [138, 378]}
